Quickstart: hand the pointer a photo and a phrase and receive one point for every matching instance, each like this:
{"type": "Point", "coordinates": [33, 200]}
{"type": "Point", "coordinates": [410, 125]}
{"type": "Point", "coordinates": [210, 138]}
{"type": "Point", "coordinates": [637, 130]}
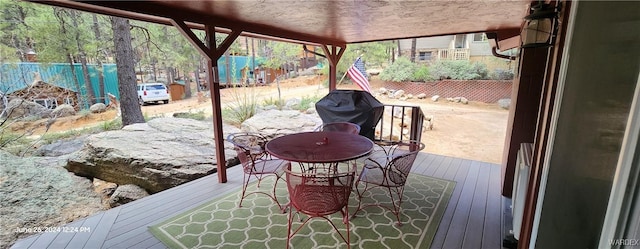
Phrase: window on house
{"type": "Point", "coordinates": [424, 56]}
{"type": "Point", "coordinates": [68, 101]}
{"type": "Point", "coordinates": [480, 37]}
{"type": "Point", "coordinates": [50, 103]}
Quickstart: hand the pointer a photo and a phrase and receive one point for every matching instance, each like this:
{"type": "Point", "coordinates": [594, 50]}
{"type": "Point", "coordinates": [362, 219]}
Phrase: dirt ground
{"type": "Point", "coordinates": [474, 131]}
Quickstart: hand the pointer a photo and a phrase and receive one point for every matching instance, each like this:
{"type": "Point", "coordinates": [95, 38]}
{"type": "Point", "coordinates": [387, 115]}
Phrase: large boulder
{"type": "Point", "coordinates": [397, 94]}
{"type": "Point", "coordinates": [275, 122]}
{"type": "Point", "coordinates": [34, 194]}
{"type": "Point", "coordinates": [61, 147]}
{"type": "Point", "coordinates": [63, 111]}
{"type": "Point", "coordinates": [20, 108]}
{"type": "Point", "coordinates": [98, 108]}
{"type": "Point", "coordinates": [157, 155]}
{"type": "Point", "coordinates": [504, 103]}
{"type": "Point", "coordinates": [125, 194]}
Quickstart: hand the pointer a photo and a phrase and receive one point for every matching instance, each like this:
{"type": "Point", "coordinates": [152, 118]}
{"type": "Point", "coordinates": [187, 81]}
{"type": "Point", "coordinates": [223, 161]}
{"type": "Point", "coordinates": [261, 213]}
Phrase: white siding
{"type": "Point", "coordinates": [440, 42]}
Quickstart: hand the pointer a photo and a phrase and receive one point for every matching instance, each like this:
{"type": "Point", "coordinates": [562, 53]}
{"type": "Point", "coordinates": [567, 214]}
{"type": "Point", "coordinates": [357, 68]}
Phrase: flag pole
{"type": "Point", "coordinates": [345, 72]}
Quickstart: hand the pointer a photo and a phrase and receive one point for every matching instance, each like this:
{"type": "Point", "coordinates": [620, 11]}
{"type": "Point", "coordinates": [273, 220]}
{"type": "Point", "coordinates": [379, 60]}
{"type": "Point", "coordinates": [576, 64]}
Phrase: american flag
{"type": "Point", "coordinates": [358, 75]}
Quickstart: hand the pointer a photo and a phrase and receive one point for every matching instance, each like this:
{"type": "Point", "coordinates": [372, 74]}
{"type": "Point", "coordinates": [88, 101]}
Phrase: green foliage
{"type": "Point", "coordinates": [115, 124]}
{"type": "Point", "coordinates": [243, 106]}
{"type": "Point", "coordinates": [279, 103]}
{"type": "Point", "coordinates": [84, 113]}
{"type": "Point", "coordinates": [200, 115]}
{"type": "Point", "coordinates": [280, 53]}
{"type": "Point", "coordinates": [307, 102]}
{"type": "Point", "coordinates": [422, 74]}
{"type": "Point", "coordinates": [501, 74]}
{"type": "Point", "coordinates": [8, 138]}
{"type": "Point", "coordinates": [402, 70]}
{"type": "Point", "coordinates": [147, 117]}
{"type": "Point", "coordinates": [52, 137]}
{"type": "Point", "coordinates": [459, 70]}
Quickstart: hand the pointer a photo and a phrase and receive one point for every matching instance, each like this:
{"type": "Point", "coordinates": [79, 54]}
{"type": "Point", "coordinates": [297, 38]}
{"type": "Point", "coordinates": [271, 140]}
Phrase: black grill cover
{"type": "Point", "coordinates": [357, 107]}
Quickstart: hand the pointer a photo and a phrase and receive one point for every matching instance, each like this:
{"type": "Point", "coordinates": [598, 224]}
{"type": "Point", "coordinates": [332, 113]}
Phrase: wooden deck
{"type": "Point", "coordinates": [473, 218]}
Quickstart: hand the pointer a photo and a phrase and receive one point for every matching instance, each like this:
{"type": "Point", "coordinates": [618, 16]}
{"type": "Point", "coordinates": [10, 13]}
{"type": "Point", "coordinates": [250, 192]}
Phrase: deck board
{"type": "Point", "coordinates": [80, 239]}
{"type": "Point", "coordinates": [472, 218]}
{"type": "Point", "coordinates": [431, 168]}
{"type": "Point", "coordinates": [459, 177]}
{"type": "Point", "coordinates": [493, 222]}
{"type": "Point", "coordinates": [455, 234]}
{"type": "Point", "coordinates": [475, 223]}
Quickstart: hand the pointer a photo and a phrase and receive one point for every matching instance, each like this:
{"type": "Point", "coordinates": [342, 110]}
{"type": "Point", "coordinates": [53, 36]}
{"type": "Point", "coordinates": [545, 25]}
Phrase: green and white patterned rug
{"type": "Point", "coordinates": [219, 223]}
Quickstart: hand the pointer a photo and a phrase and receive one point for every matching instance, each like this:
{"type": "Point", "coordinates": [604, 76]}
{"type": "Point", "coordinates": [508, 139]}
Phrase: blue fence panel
{"type": "Point", "coordinates": [17, 76]}
{"type": "Point", "coordinates": [110, 80]}
{"type": "Point", "coordinates": [236, 64]}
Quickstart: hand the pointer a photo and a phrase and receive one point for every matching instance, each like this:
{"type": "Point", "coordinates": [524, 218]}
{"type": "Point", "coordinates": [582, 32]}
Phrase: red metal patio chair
{"type": "Point", "coordinates": [341, 127]}
{"type": "Point", "coordinates": [256, 162]}
{"type": "Point", "coordinates": [389, 171]}
{"type": "Point", "coordinates": [318, 195]}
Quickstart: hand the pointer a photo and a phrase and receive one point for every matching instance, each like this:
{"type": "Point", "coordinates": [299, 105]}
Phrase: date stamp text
{"type": "Point", "coordinates": [53, 230]}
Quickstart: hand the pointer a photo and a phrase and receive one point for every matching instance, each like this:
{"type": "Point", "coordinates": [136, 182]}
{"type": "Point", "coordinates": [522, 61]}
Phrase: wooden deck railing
{"type": "Point", "coordinates": [453, 54]}
{"type": "Point", "coordinates": [400, 122]}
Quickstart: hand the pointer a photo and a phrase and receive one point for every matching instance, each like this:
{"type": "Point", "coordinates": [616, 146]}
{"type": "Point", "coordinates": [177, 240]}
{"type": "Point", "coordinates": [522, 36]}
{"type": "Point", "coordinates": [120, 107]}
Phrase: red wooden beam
{"type": "Point", "coordinates": [212, 54]}
{"type": "Point", "coordinates": [333, 56]}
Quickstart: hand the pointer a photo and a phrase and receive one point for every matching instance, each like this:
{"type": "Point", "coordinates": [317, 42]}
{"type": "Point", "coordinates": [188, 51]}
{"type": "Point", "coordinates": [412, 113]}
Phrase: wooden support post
{"type": "Point", "coordinates": [333, 56]}
{"type": "Point", "coordinates": [212, 54]}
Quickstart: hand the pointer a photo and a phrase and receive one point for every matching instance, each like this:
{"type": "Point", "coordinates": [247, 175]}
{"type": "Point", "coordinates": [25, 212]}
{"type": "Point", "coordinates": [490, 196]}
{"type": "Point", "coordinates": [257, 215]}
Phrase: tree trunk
{"type": "Point", "coordinates": [399, 49]}
{"type": "Point", "coordinates": [413, 49]}
{"type": "Point", "coordinates": [187, 86]}
{"type": "Point", "coordinates": [81, 99]}
{"type": "Point", "coordinates": [125, 63]}
{"type": "Point", "coordinates": [197, 77]}
{"type": "Point", "coordinates": [98, 36]}
{"type": "Point", "coordinates": [91, 96]}
{"type": "Point", "coordinates": [227, 68]}
{"type": "Point", "coordinates": [253, 61]}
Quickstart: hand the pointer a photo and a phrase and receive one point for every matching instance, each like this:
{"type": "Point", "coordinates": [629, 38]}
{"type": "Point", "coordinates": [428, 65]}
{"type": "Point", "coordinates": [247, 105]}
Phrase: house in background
{"type": "Point", "coordinates": [470, 47]}
{"type": "Point", "coordinates": [47, 95]}
{"type": "Point", "coordinates": [55, 84]}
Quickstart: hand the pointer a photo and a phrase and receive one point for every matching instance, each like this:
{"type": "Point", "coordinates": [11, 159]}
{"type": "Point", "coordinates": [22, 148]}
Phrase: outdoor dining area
{"type": "Point", "coordinates": [330, 175]}
{"type": "Point", "coordinates": [336, 186]}
{"type": "Point", "coordinates": [447, 202]}
{"type": "Point", "coordinates": [341, 185]}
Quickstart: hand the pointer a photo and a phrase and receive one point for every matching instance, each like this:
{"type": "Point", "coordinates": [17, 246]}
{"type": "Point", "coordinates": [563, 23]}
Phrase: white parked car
{"type": "Point", "coordinates": [152, 92]}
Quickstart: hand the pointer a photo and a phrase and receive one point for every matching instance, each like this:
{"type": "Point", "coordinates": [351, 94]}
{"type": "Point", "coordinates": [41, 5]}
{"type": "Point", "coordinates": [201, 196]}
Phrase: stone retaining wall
{"type": "Point", "coordinates": [488, 91]}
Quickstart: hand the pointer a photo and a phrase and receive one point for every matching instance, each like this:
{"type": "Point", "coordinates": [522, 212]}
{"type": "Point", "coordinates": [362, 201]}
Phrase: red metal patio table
{"type": "Point", "coordinates": [320, 147]}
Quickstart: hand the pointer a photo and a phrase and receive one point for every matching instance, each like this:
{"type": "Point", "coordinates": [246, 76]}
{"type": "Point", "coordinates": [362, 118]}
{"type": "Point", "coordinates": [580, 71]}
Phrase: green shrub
{"type": "Point", "coordinates": [200, 115]}
{"type": "Point", "coordinates": [48, 138]}
{"type": "Point", "coordinates": [115, 124]}
{"type": "Point", "coordinates": [401, 70]}
{"type": "Point", "coordinates": [307, 102]}
{"type": "Point", "coordinates": [459, 70]}
{"type": "Point", "coordinates": [147, 117]}
{"type": "Point", "coordinates": [422, 74]}
{"type": "Point", "coordinates": [243, 106]}
{"type": "Point", "coordinates": [84, 112]}
{"type": "Point", "coordinates": [8, 138]}
{"type": "Point", "coordinates": [279, 103]}
{"type": "Point", "coordinates": [501, 74]}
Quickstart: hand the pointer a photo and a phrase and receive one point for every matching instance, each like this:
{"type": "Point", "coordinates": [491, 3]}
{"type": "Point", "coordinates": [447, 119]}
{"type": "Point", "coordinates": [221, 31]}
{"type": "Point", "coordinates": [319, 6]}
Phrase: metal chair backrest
{"type": "Point", "coordinates": [402, 155]}
{"type": "Point", "coordinates": [316, 194]}
{"type": "Point", "coordinates": [342, 127]}
{"type": "Point", "coordinates": [249, 147]}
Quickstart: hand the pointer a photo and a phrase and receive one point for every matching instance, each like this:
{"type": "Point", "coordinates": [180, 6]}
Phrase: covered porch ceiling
{"type": "Point", "coordinates": [331, 24]}
{"type": "Point", "coordinates": [328, 22]}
